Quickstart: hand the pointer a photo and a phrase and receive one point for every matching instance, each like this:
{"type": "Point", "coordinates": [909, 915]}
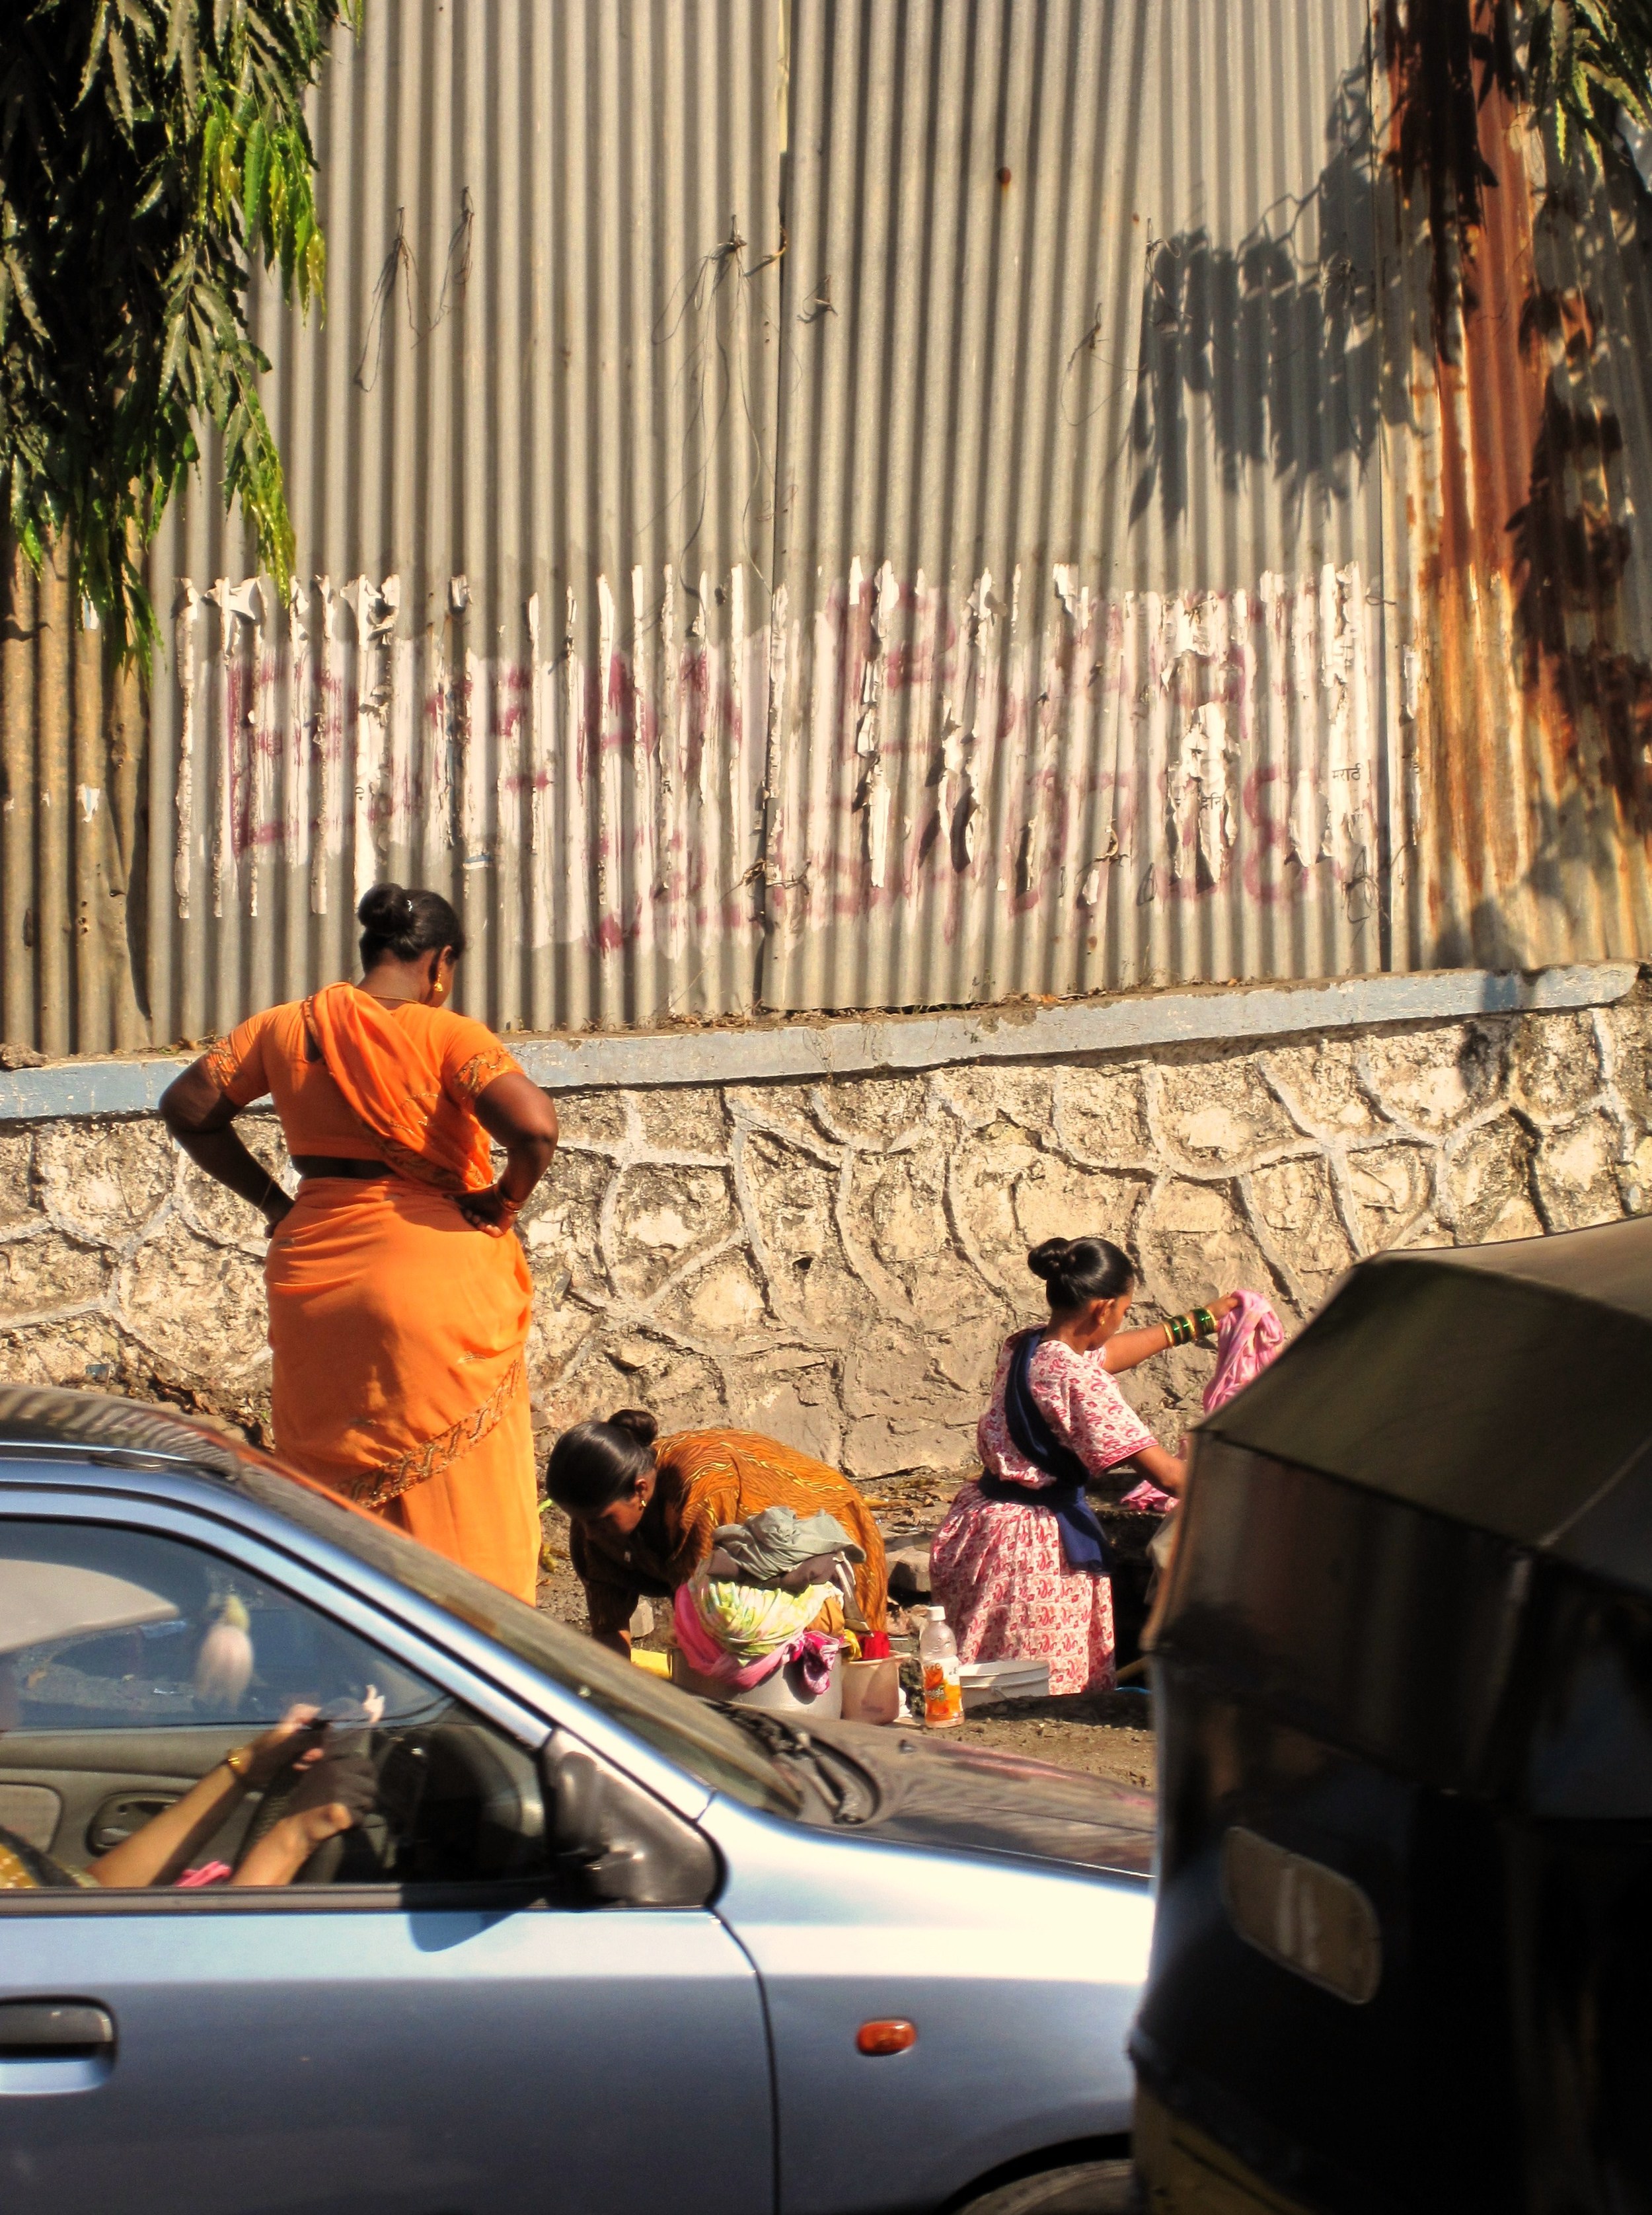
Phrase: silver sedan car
{"type": "Point", "coordinates": [589, 1946]}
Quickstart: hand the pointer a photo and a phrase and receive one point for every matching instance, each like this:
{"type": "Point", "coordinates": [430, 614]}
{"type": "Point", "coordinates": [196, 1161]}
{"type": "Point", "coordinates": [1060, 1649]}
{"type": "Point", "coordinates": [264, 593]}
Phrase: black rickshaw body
{"type": "Point", "coordinates": [1402, 1957]}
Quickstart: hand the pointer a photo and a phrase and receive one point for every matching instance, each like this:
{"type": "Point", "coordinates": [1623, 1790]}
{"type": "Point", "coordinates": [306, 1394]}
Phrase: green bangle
{"type": "Point", "coordinates": [1204, 1322]}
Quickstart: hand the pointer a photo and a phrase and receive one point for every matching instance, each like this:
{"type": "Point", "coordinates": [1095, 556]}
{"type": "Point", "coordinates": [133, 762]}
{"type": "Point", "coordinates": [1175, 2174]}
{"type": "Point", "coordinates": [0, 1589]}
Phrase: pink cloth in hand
{"type": "Point", "coordinates": [1250, 1337]}
{"type": "Point", "coordinates": [1148, 1499]}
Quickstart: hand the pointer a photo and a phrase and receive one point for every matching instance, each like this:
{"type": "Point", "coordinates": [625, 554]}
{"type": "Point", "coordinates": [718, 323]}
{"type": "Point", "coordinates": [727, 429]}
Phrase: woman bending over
{"type": "Point", "coordinates": [644, 1509]}
{"type": "Point", "coordinates": [1018, 1564]}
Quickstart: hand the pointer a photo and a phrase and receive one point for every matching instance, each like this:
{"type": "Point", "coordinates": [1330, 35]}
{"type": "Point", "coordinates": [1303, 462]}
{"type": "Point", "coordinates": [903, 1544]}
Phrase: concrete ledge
{"type": "Point", "coordinates": [817, 1046]}
{"type": "Point", "coordinates": [768, 1052]}
{"type": "Point", "coordinates": [84, 1087]}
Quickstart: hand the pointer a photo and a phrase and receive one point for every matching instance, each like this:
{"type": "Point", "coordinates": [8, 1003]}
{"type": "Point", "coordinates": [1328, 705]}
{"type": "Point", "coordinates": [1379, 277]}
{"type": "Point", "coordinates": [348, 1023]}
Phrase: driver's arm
{"type": "Point", "coordinates": [332, 1795]}
{"type": "Point", "coordinates": [161, 1850]}
{"type": "Point", "coordinates": [287, 1845]}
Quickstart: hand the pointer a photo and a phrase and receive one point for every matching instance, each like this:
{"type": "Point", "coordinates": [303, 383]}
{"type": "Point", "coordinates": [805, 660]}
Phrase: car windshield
{"type": "Point", "coordinates": [689, 1732]}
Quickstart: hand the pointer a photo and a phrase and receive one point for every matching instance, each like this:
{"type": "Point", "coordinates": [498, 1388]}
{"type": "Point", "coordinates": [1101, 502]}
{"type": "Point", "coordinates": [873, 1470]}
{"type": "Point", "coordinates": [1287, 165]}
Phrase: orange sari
{"type": "Point", "coordinates": [398, 1331]}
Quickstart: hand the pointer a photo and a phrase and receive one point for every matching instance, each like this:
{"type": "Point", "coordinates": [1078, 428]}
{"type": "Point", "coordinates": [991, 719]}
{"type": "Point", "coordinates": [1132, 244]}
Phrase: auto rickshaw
{"type": "Point", "coordinates": [1403, 1681]}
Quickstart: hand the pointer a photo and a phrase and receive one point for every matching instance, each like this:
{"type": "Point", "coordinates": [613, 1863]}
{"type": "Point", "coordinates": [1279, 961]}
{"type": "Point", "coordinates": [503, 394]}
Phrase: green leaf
{"type": "Point", "coordinates": [188, 55]}
{"type": "Point", "coordinates": [172, 360]}
{"type": "Point", "coordinates": [315, 267]}
{"type": "Point", "coordinates": [121, 72]}
{"type": "Point", "coordinates": [16, 267]}
{"type": "Point", "coordinates": [94, 52]}
{"type": "Point", "coordinates": [255, 170]}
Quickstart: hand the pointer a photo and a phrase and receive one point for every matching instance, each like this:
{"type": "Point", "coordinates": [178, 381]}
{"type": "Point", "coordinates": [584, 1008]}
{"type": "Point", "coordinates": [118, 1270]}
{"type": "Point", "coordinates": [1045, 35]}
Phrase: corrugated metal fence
{"type": "Point", "coordinates": [825, 504]}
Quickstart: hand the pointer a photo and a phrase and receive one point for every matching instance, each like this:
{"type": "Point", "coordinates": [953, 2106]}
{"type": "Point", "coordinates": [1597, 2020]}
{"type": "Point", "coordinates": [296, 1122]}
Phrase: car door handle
{"type": "Point", "coordinates": [118, 1818]}
{"type": "Point", "coordinates": [55, 2030]}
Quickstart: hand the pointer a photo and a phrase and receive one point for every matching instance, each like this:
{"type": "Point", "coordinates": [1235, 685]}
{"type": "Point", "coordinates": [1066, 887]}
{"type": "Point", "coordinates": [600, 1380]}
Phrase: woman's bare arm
{"type": "Point", "coordinates": [1126, 1349]}
{"type": "Point", "coordinates": [517, 1115]}
{"type": "Point", "coordinates": [1168, 1470]}
{"type": "Point", "coordinates": [156, 1853]}
{"type": "Point", "coordinates": [201, 1117]}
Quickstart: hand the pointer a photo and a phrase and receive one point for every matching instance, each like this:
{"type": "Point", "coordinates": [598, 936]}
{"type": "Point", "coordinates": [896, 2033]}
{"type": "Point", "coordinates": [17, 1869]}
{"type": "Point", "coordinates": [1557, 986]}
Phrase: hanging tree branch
{"type": "Point", "coordinates": [148, 149]}
{"type": "Point", "coordinates": [1586, 60]}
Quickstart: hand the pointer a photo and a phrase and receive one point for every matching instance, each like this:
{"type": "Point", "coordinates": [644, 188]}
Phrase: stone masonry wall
{"type": "Point", "coordinates": [837, 1263]}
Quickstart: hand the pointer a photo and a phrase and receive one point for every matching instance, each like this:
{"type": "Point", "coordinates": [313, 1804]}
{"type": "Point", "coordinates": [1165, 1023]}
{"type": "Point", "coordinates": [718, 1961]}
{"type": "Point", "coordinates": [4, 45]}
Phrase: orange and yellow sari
{"type": "Point", "coordinates": [398, 1331]}
{"type": "Point", "coordinates": [704, 1479]}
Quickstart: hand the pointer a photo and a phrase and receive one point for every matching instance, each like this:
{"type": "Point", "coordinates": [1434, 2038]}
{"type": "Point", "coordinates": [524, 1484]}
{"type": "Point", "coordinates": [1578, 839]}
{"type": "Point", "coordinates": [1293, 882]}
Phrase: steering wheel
{"type": "Point", "coordinates": [400, 1761]}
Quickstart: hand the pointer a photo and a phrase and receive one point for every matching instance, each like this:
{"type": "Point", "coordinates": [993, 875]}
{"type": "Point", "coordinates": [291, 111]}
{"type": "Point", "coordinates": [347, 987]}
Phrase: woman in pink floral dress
{"type": "Point", "coordinates": [1019, 1564]}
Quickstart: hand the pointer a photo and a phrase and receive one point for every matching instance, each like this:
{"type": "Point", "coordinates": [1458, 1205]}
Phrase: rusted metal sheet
{"type": "Point", "coordinates": [1516, 339]}
{"type": "Point", "coordinates": [827, 504]}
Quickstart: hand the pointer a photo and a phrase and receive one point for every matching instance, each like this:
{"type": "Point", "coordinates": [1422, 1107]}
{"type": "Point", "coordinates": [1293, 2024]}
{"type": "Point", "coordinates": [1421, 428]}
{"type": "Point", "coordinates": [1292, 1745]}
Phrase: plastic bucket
{"type": "Point", "coordinates": [782, 1689]}
{"type": "Point", "coordinates": [871, 1690]}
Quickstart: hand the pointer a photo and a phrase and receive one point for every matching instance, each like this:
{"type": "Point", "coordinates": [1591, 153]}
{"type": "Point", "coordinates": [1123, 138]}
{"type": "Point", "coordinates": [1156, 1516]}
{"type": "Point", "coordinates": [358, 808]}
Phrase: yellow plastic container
{"type": "Point", "coordinates": [657, 1665]}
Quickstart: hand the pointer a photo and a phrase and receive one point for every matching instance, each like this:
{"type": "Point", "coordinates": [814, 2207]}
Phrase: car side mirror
{"type": "Point", "coordinates": [614, 1841]}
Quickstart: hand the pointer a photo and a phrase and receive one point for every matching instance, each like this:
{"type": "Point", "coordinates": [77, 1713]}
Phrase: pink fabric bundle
{"type": "Point", "coordinates": [1148, 1499]}
{"type": "Point", "coordinates": [1250, 1337]}
{"type": "Point", "coordinates": [812, 1649]}
{"type": "Point", "coordinates": [209, 1872]}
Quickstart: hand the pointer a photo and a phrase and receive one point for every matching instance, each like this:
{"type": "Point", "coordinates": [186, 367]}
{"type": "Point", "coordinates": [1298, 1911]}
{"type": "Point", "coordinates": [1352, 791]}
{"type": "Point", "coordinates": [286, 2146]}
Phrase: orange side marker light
{"type": "Point", "coordinates": [889, 2034]}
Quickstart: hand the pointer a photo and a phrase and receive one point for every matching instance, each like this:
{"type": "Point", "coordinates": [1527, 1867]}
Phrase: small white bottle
{"type": "Point", "coordinates": [937, 1655]}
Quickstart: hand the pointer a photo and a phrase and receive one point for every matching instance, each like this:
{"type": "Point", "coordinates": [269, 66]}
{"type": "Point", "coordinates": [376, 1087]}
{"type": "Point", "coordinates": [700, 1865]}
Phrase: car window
{"type": "Point", "coordinates": [104, 1629]}
{"type": "Point", "coordinates": [132, 1663]}
{"type": "Point", "coordinates": [689, 1732]}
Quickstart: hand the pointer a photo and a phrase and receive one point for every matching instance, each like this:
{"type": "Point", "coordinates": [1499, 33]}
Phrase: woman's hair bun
{"type": "Point", "coordinates": [386, 911]}
{"type": "Point", "coordinates": [1049, 1259]}
{"type": "Point", "coordinates": [406, 924]}
{"type": "Point", "coordinates": [1076, 1271]}
{"type": "Point", "coordinates": [638, 1422]}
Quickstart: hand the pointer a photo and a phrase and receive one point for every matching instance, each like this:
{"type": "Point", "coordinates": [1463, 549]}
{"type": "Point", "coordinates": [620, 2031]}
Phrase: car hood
{"type": "Point", "coordinates": [937, 1795]}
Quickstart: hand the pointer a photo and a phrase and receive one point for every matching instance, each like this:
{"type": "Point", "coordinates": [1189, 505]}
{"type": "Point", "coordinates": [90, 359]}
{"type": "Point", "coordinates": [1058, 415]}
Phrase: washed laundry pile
{"type": "Point", "coordinates": [753, 1603]}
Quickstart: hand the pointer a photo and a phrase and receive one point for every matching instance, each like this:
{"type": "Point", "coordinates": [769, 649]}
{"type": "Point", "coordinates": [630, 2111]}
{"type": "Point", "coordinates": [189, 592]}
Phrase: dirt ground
{"type": "Point", "coordinates": [1107, 1734]}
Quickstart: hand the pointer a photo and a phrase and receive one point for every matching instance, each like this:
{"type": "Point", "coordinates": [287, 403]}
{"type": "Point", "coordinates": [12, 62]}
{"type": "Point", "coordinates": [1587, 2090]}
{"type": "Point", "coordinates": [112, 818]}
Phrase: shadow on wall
{"type": "Point", "coordinates": [1425, 286]}
{"type": "Point", "coordinates": [1277, 334]}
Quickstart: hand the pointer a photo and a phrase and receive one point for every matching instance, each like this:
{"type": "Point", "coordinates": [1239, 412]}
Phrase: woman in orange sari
{"type": "Point", "coordinates": [399, 1296]}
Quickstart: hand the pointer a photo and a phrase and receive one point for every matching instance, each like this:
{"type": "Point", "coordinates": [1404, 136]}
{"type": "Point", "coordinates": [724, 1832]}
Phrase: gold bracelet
{"type": "Point", "coordinates": [239, 1762]}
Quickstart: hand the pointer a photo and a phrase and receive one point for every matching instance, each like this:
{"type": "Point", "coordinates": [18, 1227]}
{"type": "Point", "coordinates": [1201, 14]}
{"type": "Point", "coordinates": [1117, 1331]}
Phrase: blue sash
{"type": "Point", "coordinates": [1082, 1542]}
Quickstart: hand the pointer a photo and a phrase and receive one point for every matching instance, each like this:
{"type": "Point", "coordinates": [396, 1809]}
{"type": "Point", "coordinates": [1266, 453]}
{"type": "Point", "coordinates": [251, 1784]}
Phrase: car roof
{"type": "Point", "coordinates": [47, 1419]}
{"type": "Point", "coordinates": [1610, 1266]}
{"type": "Point", "coordinates": [1504, 1386]}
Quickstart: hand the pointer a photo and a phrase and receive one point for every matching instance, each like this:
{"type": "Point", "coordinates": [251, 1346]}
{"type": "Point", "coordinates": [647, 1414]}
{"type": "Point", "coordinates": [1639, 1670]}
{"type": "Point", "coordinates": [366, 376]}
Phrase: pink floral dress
{"type": "Point", "coordinates": [997, 1567]}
